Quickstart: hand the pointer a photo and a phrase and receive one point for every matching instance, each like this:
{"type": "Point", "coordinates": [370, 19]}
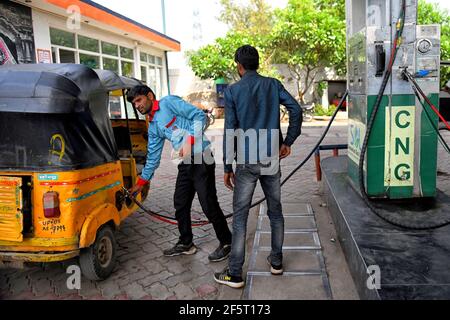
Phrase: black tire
{"type": "Point", "coordinates": [98, 261]}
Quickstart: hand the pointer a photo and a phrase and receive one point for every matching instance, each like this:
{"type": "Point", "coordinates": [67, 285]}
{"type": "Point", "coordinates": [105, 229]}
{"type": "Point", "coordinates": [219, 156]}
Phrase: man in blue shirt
{"type": "Point", "coordinates": [252, 119]}
{"type": "Point", "coordinates": [182, 124]}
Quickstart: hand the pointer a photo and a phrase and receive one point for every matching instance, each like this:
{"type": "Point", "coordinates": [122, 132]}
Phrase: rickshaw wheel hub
{"type": "Point", "coordinates": [104, 252]}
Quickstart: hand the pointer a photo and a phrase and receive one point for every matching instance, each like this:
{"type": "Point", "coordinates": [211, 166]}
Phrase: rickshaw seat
{"type": "Point", "coordinates": [122, 137]}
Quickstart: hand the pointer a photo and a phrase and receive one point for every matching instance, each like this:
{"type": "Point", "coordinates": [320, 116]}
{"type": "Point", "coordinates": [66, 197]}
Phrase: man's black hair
{"type": "Point", "coordinates": [140, 90]}
{"type": "Point", "coordinates": [248, 56]}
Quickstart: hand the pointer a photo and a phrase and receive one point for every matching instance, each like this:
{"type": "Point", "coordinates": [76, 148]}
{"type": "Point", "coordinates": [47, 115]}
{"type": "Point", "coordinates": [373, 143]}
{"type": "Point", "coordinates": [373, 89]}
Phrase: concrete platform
{"type": "Point", "coordinates": [305, 276]}
{"type": "Point", "coordinates": [413, 264]}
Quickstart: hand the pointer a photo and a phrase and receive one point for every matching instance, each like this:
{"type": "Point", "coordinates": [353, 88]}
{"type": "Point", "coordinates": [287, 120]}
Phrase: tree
{"type": "Point", "coordinates": [256, 18]}
{"type": "Point", "coordinates": [309, 36]}
{"type": "Point", "coordinates": [216, 60]}
{"type": "Point", "coordinates": [250, 24]}
{"type": "Point", "coordinates": [429, 13]}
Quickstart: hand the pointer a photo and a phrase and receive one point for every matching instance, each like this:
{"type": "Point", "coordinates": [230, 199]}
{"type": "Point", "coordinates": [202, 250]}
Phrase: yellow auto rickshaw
{"type": "Point", "coordinates": [64, 163]}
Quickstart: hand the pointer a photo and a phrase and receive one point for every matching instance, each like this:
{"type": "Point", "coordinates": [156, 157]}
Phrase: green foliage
{"type": "Point", "coordinates": [213, 61]}
{"type": "Point", "coordinates": [249, 24]}
{"type": "Point", "coordinates": [255, 18]}
{"type": "Point", "coordinates": [431, 13]}
{"type": "Point", "coordinates": [319, 110]}
{"type": "Point", "coordinates": [335, 6]}
{"type": "Point", "coordinates": [308, 36]}
{"type": "Point", "coordinates": [217, 60]}
{"type": "Point", "coordinates": [320, 88]}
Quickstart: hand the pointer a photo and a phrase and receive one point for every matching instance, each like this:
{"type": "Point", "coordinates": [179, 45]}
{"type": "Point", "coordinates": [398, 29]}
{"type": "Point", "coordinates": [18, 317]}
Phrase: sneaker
{"type": "Point", "coordinates": [275, 269]}
{"type": "Point", "coordinates": [227, 279]}
{"type": "Point", "coordinates": [221, 253]}
{"type": "Point", "coordinates": [180, 249]}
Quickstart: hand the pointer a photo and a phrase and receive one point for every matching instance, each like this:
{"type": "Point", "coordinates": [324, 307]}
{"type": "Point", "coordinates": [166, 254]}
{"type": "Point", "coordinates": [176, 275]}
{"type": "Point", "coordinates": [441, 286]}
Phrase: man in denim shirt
{"type": "Point", "coordinates": [252, 118]}
{"type": "Point", "coordinates": [181, 123]}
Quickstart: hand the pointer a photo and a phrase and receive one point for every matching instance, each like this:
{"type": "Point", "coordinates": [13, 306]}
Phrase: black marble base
{"type": "Point", "coordinates": [413, 264]}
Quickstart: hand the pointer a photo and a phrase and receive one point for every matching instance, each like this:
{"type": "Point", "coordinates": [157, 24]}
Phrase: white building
{"type": "Point", "coordinates": [82, 31]}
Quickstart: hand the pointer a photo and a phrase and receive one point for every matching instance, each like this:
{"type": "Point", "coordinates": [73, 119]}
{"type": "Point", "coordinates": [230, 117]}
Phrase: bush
{"type": "Point", "coordinates": [319, 110]}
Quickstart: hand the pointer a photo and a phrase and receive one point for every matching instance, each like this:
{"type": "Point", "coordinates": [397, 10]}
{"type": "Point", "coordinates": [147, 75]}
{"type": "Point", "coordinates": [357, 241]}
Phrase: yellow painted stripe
{"type": "Point", "coordinates": [38, 257]}
{"type": "Point", "coordinates": [43, 242]}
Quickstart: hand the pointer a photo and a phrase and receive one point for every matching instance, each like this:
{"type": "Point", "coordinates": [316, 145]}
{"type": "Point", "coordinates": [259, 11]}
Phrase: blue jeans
{"type": "Point", "coordinates": [245, 182]}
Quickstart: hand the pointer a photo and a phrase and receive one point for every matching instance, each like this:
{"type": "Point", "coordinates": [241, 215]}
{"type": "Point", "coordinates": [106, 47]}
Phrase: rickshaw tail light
{"type": "Point", "coordinates": [51, 205]}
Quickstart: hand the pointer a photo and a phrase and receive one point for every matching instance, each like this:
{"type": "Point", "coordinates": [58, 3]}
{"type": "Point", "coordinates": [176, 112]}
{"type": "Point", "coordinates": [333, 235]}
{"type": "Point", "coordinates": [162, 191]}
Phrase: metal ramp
{"type": "Point", "coordinates": [305, 276]}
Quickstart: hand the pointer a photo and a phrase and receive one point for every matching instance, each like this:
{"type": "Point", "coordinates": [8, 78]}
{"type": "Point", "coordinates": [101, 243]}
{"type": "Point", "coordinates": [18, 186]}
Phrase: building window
{"type": "Point", "coordinates": [144, 57]}
{"type": "Point", "coordinates": [88, 44]}
{"type": "Point", "coordinates": [90, 60]}
{"type": "Point", "coordinates": [62, 38]}
{"type": "Point", "coordinates": [110, 49]}
{"type": "Point", "coordinates": [151, 72]}
{"type": "Point", "coordinates": [111, 64]}
{"type": "Point", "coordinates": [75, 48]}
{"type": "Point", "coordinates": [144, 74]}
{"type": "Point", "coordinates": [126, 53]}
{"type": "Point", "coordinates": [66, 56]}
{"type": "Point", "coordinates": [127, 68]}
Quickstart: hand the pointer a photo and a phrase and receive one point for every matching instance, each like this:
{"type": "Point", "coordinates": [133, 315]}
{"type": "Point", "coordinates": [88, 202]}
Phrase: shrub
{"type": "Point", "coordinates": [319, 110]}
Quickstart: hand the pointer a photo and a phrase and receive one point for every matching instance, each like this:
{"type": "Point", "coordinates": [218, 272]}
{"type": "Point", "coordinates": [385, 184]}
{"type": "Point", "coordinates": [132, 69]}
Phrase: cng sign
{"type": "Point", "coordinates": [399, 150]}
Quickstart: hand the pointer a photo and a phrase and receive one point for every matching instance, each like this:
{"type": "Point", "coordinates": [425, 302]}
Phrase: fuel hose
{"type": "Point", "coordinates": [198, 223]}
{"type": "Point", "coordinates": [424, 219]}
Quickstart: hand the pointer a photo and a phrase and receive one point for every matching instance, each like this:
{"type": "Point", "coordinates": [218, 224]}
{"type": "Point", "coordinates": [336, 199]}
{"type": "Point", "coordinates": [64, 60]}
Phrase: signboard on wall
{"type": "Point", "coordinates": [6, 56]}
{"type": "Point", "coordinates": [16, 34]}
{"type": "Point", "coordinates": [44, 56]}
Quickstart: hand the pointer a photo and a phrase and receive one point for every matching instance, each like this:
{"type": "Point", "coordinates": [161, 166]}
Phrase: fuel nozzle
{"type": "Point", "coordinates": [126, 193]}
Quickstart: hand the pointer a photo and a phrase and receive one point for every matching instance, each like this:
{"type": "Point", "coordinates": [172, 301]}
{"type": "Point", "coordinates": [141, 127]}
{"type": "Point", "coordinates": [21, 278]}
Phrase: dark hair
{"type": "Point", "coordinates": [140, 90]}
{"type": "Point", "coordinates": [248, 56]}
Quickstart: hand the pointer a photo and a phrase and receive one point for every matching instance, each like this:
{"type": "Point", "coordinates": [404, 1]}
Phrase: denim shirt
{"type": "Point", "coordinates": [175, 120]}
{"type": "Point", "coordinates": [254, 103]}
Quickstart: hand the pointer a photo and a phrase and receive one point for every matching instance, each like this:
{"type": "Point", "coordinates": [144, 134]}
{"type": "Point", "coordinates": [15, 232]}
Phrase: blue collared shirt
{"type": "Point", "coordinates": [177, 121]}
{"type": "Point", "coordinates": [253, 103]}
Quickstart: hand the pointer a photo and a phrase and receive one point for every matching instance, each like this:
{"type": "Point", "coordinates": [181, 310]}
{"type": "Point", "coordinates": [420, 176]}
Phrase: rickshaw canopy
{"type": "Point", "coordinates": [53, 117]}
{"type": "Point", "coordinates": [112, 81]}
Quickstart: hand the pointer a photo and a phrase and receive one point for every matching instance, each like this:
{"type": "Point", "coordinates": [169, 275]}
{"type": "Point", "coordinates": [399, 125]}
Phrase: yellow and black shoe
{"type": "Point", "coordinates": [227, 279]}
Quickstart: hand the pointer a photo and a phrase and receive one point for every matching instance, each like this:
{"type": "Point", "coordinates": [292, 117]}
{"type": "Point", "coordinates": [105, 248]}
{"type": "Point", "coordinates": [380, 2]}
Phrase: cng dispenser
{"type": "Point", "coordinates": [401, 150]}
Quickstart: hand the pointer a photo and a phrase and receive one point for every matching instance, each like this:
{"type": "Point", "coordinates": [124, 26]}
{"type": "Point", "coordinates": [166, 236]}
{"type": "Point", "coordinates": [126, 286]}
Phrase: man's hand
{"type": "Point", "coordinates": [228, 180]}
{"type": "Point", "coordinates": [185, 151]}
{"type": "Point", "coordinates": [285, 151]}
{"type": "Point", "coordinates": [137, 189]}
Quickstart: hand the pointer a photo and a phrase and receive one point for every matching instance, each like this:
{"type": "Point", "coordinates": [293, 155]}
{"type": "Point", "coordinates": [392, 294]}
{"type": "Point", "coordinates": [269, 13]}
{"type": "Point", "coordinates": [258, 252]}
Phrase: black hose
{"type": "Point", "coordinates": [435, 127]}
{"type": "Point", "coordinates": [203, 222]}
{"type": "Point", "coordinates": [341, 103]}
{"type": "Point", "coordinates": [406, 222]}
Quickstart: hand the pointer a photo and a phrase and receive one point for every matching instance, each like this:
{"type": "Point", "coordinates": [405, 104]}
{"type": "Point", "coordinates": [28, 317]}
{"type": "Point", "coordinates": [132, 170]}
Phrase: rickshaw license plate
{"type": "Point", "coordinates": [11, 220]}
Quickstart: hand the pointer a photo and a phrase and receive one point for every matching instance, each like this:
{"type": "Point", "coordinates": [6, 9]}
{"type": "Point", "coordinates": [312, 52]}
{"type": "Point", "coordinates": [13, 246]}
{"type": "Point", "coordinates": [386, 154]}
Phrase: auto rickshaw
{"type": "Point", "coordinates": [64, 164]}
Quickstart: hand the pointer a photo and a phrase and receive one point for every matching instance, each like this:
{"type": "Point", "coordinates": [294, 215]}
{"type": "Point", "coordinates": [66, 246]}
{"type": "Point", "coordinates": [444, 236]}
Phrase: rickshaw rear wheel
{"type": "Point", "coordinates": [98, 261]}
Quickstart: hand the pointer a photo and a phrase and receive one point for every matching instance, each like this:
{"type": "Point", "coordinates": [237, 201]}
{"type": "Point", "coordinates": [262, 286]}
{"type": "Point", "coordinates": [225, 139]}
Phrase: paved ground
{"type": "Point", "coordinates": [144, 273]}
